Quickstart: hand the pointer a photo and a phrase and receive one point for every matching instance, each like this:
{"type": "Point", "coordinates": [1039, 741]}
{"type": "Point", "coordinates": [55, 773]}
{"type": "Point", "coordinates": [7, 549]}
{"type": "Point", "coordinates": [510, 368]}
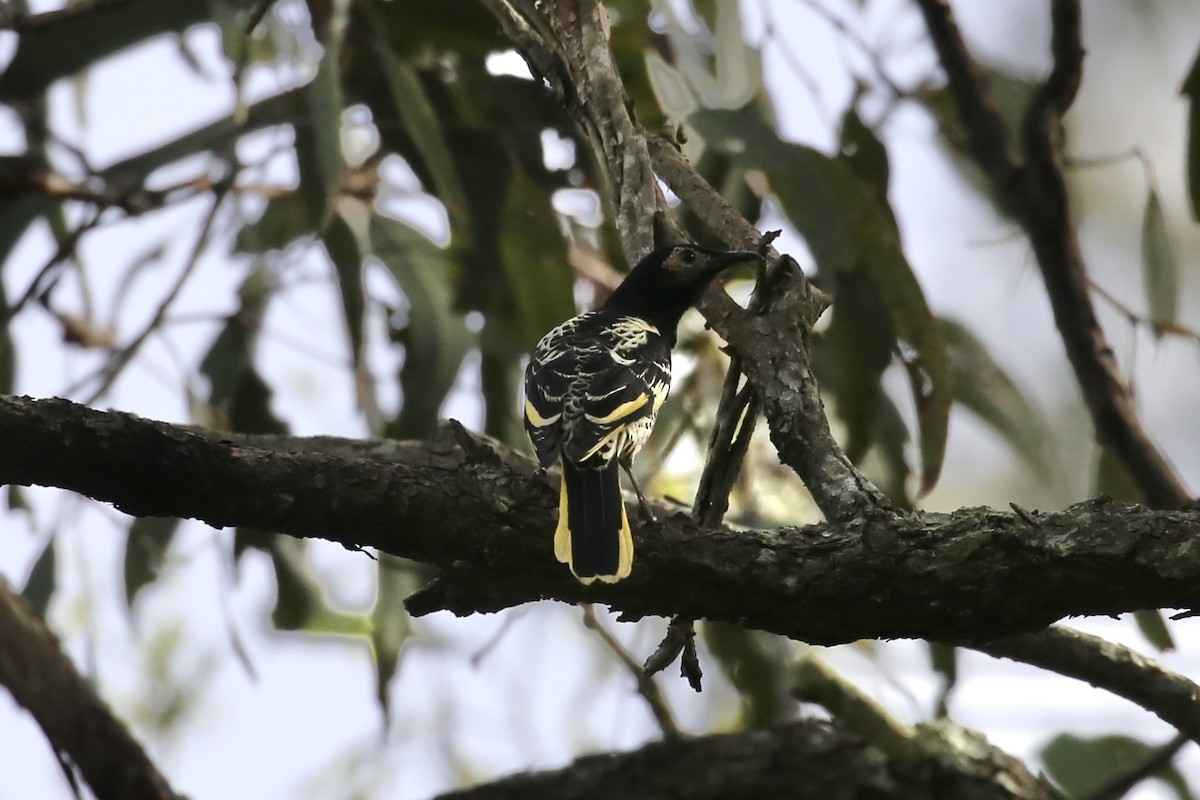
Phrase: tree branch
{"type": "Point", "coordinates": [774, 354]}
{"type": "Point", "coordinates": [808, 760]}
{"type": "Point", "coordinates": [74, 718]}
{"type": "Point", "coordinates": [1035, 193]}
{"type": "Point", "coordinates": [1117, 669]}
{"type": "Point", "coordinates": [974, 575]}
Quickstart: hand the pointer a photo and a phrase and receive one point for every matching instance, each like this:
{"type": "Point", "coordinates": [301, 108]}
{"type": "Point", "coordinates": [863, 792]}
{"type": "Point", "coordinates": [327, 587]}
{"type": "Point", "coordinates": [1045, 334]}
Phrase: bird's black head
{"type": "Point", "coordinates": [670, 280]}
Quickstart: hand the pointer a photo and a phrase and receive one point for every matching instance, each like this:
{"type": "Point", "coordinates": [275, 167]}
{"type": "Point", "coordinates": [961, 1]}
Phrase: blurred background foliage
{"type": "Point", "coordinates": [398, 139]}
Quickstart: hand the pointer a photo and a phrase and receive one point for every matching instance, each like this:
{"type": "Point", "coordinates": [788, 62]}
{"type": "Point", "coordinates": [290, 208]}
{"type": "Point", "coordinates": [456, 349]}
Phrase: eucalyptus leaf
{"type": "Point", "coordinates": [1160, 271]}
{"type": "Point", "coordinates": [1081, 765]}
{"type": "Point", "coordinates": [84, 39]}
{"type": "Point", "coordinates": [1191, 90]}
{"type": "Point", "coordinates": [325, 118]}
{"type": "Point", "coordinates": [754, 662]}
{"type": "Point", "coordinates": [416, 112]}
{"type": "Point", "coordinates": [391, 625]}
{"type": "Point", "coordinates": [849, 227]}
{"type": "Point", "coordinates": [41, 584]}
{"type": "Point", "coordinates": [145, 551]}
{"type": "Point", "coordinates": [986, 390]}
{"type": "Point", "coordinates": [300, 603]}
{"type": "Point", "coordinates": [435, 336]}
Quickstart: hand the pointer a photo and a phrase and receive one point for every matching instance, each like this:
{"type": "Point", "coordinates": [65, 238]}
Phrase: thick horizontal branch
{"type": "Point", "coordinates": [808, 760]}
{"type": "Point", "coordinates": [971, 576]}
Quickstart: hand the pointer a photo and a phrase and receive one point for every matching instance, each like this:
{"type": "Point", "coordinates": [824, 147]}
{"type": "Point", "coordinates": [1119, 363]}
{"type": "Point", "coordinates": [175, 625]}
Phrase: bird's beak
{"type": "Point", "coordinates": [727, 260]}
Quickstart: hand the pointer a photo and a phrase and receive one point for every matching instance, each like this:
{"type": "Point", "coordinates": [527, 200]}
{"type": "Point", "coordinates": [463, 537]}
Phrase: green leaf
{"type": "Point", "coordinates": [853, 355]}
{"type": "Point", "coordinates": [8, 354]}
{"type": "Point", "coordinates": [891, 438]}
{"type": "Point", "coordinates": [238, 394]}
{"type": "Point", "coordinates": [753, 662]}
{"type": "Point", "coordinates": [944, 660]}
{"type": "Point", "coordinates": [1160, 272]}
{"type": "Point", "coordinates": [435, 336]}
{"type": "Point", "coordinates": [286, 218]}
{"type": "Point", "coordinates": [80, 41]}
{"type": "Point", "coordinates": [540, 278]}
{"type": "Point", "coordinates": [1191, 90]}
{"type": "Point", "coordinates": [145, 550]}
{"type": "Point", "coordinates": [15, 498]}
{"type": "Point", "coordinates": [342, 247]}
{"type": "Point", "coordinates": [300, 603]}
{"type": "Point", "coordinates": [325, 118]}
{"type": "Point", "coordinates": [1082, 765]}
{"type": "Point", "coordinates": [1153, 626]}
{"type": "Point", "coordinates": [985, 389]}
{"type": "Point", "coordinates": [416, 112]}
{"type": "Point", "coordinates": [391, 626]}
{"type": "Point", "coordinates": [40, 585]}
{"type": "Point", "coordinates": [849, 227]}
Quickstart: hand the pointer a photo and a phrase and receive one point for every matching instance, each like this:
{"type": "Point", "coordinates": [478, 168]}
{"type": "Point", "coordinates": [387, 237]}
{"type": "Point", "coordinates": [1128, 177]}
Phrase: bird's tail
{"type": "Point", "coordinates": [593, 535]}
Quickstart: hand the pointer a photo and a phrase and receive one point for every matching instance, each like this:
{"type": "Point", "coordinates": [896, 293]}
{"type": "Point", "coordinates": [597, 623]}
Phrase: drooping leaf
{"type": "Point", "coordinates": [15, 498]}
{"type": "Point", "coordinates": [285, 219]}
{"type": "Point", "coordinates": [300, 603]}
{"type": "Point", "coordinates": [985, 389]}
{"type": "Point", "coordinates": [8, 354]}
{"type": "Point", "coordinates": [1191, 90]}
{"type": "Point", "coordinates": [342, 247]}
{"type": "Point", "coordinates": [865, 154]}
{"type": "Point", "coordinates": [1160, 272]}
{"type": "Point", "coordinates": [944, 660]}
{"type": "Point", "coordinates": [145, 550]}
{"type": "Point", "coordinates": [435, 336]}
{"type": "Point", "coordinates": [1081, 765]}
{"type": "Point", "coordinates": [753, 662]}
{"type": "Point", "coordinates": [416, 112]}
{"type": "Point", "coordinates": [70, 45]}
{"type": "Point", "coordinates": [1010, 95]}
{"type": "Point", "coordinates": [321, 171]}
{"type": "Point", "coordinates": [539, 276]}
{"type": "Point", "coordinates": [848, 226]}
{"type": "Point", "coordinates": [891, 437]}
{"type": "Point", "coordinates": [40, 585]}
{"type": "Point", "coordinates": [238, 395]}
{"type": "Point", "coordinates": [851, 358]}
{"type": "Point", "coordinates": [391, 626]}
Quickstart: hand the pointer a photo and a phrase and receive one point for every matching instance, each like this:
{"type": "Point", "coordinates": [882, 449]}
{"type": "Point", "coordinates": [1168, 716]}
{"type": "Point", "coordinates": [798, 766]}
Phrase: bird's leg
{"type": "Point", "coordinates": [644, 512]}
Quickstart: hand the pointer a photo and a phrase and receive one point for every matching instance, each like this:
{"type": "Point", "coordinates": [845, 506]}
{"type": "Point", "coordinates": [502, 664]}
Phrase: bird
{"type": "Point", "coordinates": [593, 387]}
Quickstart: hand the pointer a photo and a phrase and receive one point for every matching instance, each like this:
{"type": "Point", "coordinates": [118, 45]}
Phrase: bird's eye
{"type": "Point", "coordinates": [687, 256]}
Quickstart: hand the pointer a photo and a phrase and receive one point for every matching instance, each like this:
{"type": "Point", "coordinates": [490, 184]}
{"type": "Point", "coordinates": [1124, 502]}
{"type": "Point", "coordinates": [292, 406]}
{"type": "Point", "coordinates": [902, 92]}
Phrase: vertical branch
{"type": "Point", "coordinates": [1035, 193]}
{"type": "Point", "coordinates": [566, 42]}
{"type": "Point", "coordinates": [74, 718]}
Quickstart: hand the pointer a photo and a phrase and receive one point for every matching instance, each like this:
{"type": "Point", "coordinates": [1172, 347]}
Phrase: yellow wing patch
{"type": "Point", "coordinates": [620, 412]}
{"type": "Point", "coordinates": [536, 419]}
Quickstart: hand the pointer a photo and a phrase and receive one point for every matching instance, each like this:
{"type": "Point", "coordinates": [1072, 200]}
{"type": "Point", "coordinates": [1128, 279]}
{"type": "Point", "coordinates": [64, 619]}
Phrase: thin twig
{"type": "Point", "coordinates": [120, 359]}
{"type": "Point", "coordinates": [646, 686]}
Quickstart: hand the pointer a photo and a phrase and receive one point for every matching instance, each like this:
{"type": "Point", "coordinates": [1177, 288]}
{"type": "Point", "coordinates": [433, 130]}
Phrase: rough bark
{"type": "Point", "coordinates": [807, 760]}
{"type": "Point", "coordinates": [78, 724]}
{"type": "Point", "coordinates": [970, 576]}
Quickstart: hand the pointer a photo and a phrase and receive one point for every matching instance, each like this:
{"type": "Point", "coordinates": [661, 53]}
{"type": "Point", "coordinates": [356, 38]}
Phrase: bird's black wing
{"type": "Point", "coordinates": [594, 386]}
